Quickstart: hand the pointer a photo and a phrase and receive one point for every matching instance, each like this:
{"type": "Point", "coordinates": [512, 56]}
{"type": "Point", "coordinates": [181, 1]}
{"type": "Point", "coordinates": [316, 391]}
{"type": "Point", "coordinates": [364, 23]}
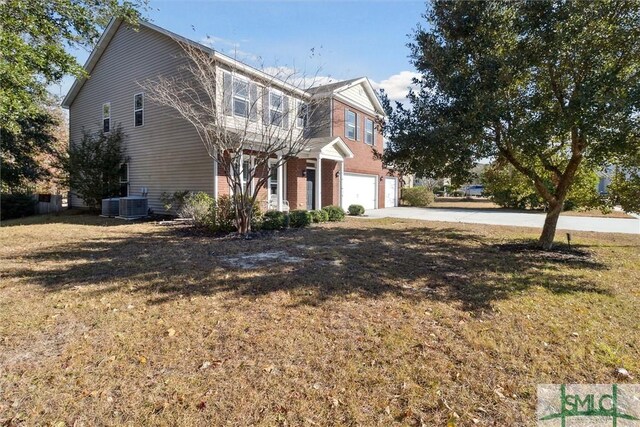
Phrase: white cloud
{"type": "Point", "coordinates": [230, 48]}
{"type": "Point", "coordinates": [397, 86]}
{"type": "Point", "coordinates": [298, 78]}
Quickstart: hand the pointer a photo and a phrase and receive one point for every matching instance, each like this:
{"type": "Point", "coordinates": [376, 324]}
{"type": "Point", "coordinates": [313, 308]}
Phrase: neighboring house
{"type": "Point", "coordinates": [165, 154]}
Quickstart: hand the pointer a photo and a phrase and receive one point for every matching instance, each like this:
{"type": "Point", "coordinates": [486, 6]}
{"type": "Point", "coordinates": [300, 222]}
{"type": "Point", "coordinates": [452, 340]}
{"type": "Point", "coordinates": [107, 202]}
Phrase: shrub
{"type": "Point", "coordinates": [175, 200]}
{"type": "Point", "coordinates": [223, 215]}
{"type": "Point", "coordinates": [17, 206]}
{"type": "Point", "coordinates": [417, 196]}
{"type": "Point", "coordinates": [319, 216]}
{"type": "Point", "coordinates": [94, 166]}
{"type": "Point", "coordinates": [274, 220]}
{"type": "Point", "coordinates": [198, 206]}
{"type": "Point", "coordinates": [334, 213]}
{"type": "Point", "coordinates": [356, 210]}
{"type": "Point", "coordinates": [299, 218]}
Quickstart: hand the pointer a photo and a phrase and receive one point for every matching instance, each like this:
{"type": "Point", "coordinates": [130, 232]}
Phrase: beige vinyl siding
{"type": "Point", "coordinates": [358, 96]}
{"type": "Point", "coordinates": [165, 154]}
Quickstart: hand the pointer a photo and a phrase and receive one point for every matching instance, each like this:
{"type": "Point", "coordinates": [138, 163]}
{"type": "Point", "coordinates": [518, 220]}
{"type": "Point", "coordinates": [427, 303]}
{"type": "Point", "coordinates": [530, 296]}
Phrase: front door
{"type": "Point", "coordinates": [311, 189]}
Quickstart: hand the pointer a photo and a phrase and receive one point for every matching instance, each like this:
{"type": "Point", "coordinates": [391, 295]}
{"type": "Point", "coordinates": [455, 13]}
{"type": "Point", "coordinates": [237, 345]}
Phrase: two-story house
{"type": "Point", "coordinates": [165, 153]}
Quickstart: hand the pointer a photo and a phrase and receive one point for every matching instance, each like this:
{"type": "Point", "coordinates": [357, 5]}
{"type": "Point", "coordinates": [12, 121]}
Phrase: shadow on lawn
{"type": "Point", "coordinates": [329, 262]}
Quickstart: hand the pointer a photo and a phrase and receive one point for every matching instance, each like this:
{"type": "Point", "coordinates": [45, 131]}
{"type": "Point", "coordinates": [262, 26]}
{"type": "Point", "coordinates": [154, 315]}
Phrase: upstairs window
{"type": "Point", "coordinates": [275, 108]}
{"type": "Point", "coordinates": [138, 109]}
{"type": "Point", "coordinates": [350, 124]}
{"type": "Point", "coordinates": [368, 131]}
{"type": "Point", "coordinates": [240, 97]}
{"type": "Point", "coordinates": [301, 118]}
{"type": "Point", "coordinates": [106, 117]}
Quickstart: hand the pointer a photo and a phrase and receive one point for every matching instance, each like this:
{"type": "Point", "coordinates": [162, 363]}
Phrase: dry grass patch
{"type": "Point", "coordinates": [376, 322]}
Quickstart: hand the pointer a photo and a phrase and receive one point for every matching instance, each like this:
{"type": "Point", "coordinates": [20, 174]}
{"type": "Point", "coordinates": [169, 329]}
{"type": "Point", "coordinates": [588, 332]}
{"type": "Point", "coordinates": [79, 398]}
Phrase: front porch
{"type": "Point", "coordinates": [310, 181]}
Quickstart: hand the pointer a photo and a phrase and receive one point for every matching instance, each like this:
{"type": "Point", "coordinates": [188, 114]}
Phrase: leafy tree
{"type": "Point", "coordinates": [94, 166]}
{"type": "Point", "coordinates": [511, 189]}
{"type": "Point", "coordinates": [624, 189]}
{"type": "Point", "coordinates": [554, 83]}
{"type": "Point", "coordinates": [20, 151]}
{"type": "Point", "coordinates": [33, 47]}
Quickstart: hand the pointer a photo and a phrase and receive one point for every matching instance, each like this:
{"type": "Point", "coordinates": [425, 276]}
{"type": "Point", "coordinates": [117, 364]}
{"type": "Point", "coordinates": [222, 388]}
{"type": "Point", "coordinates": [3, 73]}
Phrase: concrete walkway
{"type": "Point", "coordinates": [517, 219]}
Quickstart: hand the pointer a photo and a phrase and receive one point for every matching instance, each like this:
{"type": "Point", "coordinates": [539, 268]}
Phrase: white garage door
{"type": "Point", "coordinates": [359, 190]}
{"type": "Point", "coordinates": [390, 192]}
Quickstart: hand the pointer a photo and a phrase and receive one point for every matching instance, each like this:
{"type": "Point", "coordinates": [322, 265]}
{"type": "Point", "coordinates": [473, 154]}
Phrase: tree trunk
{"type": "Point", "coordinates": [550, 224]}
{"type": "Point", "coordinates": [244, 225]}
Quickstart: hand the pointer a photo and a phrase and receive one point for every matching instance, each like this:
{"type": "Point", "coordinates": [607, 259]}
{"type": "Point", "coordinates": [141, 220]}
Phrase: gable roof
{"type": "Point", "coordinates": [334, 89]}
{"type": "Point", "coordinates": [115, 24]}
{"type": "Point", "coordinates": [331, 89]}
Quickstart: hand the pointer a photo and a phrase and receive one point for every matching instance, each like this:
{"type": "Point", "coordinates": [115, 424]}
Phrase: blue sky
{"type": "Point", "coordinates": [335, 39]}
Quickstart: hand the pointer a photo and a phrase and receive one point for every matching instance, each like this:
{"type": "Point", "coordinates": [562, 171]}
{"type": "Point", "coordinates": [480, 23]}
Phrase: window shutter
{"type": "Point", "coordinates": [227, 93]}
{"type": "Point", "coordinates": [285, 112]}
{"type": "Point", "coordinates": [253, 102]}
{"type": "Point", "coordinates": [265, 107]}
{"type": "Point", "coordinates": [358, 133]}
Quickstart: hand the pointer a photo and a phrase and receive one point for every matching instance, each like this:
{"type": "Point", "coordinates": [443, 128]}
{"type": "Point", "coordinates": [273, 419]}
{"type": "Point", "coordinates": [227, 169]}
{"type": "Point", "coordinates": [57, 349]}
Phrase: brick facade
{"type": "Point", "coordinates": [363, 160]}
{"type": "Point", "coordinates": [296, 184]}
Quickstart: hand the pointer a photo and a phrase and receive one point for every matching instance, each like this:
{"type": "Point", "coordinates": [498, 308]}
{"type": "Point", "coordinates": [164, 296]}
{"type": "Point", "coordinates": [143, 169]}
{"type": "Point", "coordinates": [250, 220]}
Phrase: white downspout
{"type": "Point", "coordinates": [319, 183]}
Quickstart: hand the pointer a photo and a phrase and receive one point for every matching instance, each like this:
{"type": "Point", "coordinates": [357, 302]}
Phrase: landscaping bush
{"type": "Point", "coordinates": [223, 215]}
{"type": "Point", "coordinates": [356, 210]}
{"type": "Point", "coordinates": [198, 206]}
{"type": "Point", "coordinates": [318, 216]}
{"type": "Point", "coordinates": [299, 218]}
{"type": "Point", "coordinates": [417, 196]}
{"type": "Point", "coordinates": [17, 206]}
{"type": "Point", "coordinates": [274, 220]}
{"type": "Point", "coordinates": [334, 213]}
{"type": "Point", "coordinates": [175, 200]}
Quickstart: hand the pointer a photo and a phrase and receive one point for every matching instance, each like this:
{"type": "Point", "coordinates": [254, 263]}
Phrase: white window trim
{"type": "Point", "coordinates": [272, 162]}
{"type": "Point", "coordinates": [234, 95]}
{"type": "Point", "coordinates": [347, 126]}
{"type": "Point", "coordinates": [120, 178]}
{"type": "Point", "coordinates": [280, 109]}
{"type": "Point", "coordinates": [244, 158]}
{"type": "Point", "coordinates": [136, 110]}
{"type": "Point", "coordinates": [108, 117]}
{"type": "Point", "coordinates": [373, 131]}
{"type": "Point", "coordinates": [305, 116]}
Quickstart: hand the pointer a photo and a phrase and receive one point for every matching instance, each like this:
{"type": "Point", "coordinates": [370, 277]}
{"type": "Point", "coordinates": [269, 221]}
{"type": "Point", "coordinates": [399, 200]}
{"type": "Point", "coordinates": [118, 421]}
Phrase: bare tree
{"type": "Point", "coordinates": [238, 112]}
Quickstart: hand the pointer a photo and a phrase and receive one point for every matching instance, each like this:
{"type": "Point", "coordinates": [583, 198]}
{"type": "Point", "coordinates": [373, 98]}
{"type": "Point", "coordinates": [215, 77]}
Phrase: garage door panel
{"type": "Point", "coordinates": [359, 190]}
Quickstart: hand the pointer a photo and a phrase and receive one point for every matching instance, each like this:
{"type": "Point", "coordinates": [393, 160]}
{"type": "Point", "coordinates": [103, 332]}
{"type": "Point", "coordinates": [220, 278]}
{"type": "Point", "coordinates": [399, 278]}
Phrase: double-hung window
{"type": "Point", "coordinates": [368, 131]}
{"type": "Point", "coordinates": [240, 97]}
{"type": "Point", "coordinates": [138, 109]}
{"type": "Point", "coordinates": [350, 124]}
{"type": "Point", "coordinates": [106, 117]}
{"type": "Point", "coordinates": [275, 108]}
{"type": "Point", "coordinates": [301, 118]}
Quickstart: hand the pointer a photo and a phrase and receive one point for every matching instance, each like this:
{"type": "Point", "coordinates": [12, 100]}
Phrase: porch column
{"type": "Point", "coordinates": [215, 174]}
{"type": "Point", "coordinates": [280, 183]}
{"type": "Point", "coordinates": [341, 184]}
{"type": "Point", "coordinates": [319, 183]}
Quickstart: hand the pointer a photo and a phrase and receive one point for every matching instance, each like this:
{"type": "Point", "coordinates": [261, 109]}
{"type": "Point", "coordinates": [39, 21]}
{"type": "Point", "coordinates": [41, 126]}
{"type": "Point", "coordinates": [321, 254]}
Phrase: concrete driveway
{"type": "Point", "coordinates": [517, 219]}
